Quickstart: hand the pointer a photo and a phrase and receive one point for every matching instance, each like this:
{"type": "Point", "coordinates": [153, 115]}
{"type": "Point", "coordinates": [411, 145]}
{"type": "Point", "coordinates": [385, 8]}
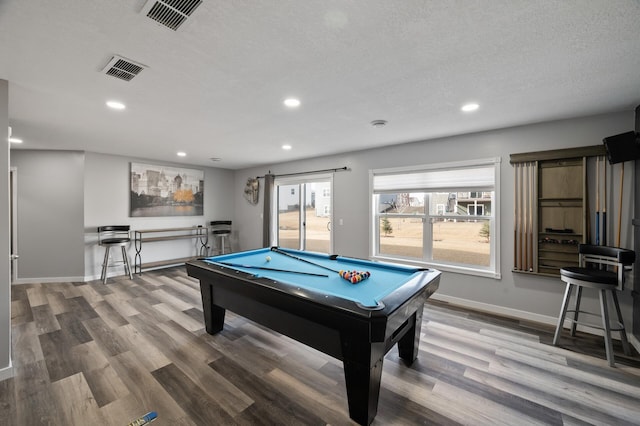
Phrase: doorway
{"type": "Point", "coordinates": [304, 213]}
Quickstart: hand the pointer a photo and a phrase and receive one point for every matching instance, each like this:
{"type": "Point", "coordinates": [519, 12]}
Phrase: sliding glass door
{"type": "Point", "coordinates": [304, 213]}
{"type": "Point", "coordinates": [289, 216]}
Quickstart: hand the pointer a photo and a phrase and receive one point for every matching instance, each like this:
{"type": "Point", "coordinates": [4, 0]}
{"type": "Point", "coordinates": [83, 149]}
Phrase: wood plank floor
{"type": "Point", "coordinates": [88, 353]}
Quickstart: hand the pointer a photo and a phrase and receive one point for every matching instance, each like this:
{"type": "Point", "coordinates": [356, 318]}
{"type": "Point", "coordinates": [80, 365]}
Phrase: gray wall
{"type": "Point", "coordinates": [63, 196]}
{"type": "Point", "coordinates": [106, 202]}
{"type": "Point", "coordinates": [5, 270]}
{"type": "Point", "coordinates": [526, 296]}
{"type": "Point", "coordinates": [50, 214]}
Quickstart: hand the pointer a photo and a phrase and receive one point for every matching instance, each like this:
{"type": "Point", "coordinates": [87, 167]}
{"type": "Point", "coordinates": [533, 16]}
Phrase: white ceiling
{"type": "Point", "coordinates": [215, 87]}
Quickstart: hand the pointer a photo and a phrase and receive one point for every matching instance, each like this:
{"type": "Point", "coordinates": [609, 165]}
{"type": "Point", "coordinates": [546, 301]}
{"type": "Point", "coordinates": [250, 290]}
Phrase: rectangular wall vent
{"type": "Point", "coordinates": [122, 68]}
{"type": "Point", "coordinates": [170, 13]}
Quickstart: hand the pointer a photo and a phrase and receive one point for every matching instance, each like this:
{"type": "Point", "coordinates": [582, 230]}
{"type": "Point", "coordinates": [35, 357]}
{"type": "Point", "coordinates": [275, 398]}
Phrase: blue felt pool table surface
{"type": "Point", "coordinates": [384, 279]}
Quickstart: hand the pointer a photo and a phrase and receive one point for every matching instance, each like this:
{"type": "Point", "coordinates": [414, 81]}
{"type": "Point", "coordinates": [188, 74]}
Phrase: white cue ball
{"type": "Point", "coordinates": [268, 258]}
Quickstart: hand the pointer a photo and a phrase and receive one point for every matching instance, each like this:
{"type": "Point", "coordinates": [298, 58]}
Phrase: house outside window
{"type": "Point", "coordinates": [442, 215]}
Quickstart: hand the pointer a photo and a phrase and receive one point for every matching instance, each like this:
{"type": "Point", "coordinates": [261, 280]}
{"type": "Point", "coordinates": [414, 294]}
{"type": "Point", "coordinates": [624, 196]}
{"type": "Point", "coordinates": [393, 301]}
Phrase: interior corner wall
{"type": "Point", "coordinates": [107, 188]}
{"type": "Point", "coordinates": [525, 296]}
{"type": "Point", "coordinates": [5, 250]}
{"type": "Point", "coordinates": [49, 215]}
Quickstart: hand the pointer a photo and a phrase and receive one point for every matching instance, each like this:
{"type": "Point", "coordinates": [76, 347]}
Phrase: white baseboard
{"type": "Point", "coordinates": [19, 281]}
{"type": "Point", "coordinates": [87, 278]}
{"type": "Point", "coordinates": [97, 277]}
{"type": "Point", "coordinates": [6, 373]}
{"type": "Point", "coordinates": [524, 315]}
{"type": "Point", "coordinates": [501, 310]}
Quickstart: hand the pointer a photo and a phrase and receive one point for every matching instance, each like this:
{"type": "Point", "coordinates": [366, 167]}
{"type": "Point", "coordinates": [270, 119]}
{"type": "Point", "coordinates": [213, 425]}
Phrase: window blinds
{"type": "Point", "coordinates": [436, 180]}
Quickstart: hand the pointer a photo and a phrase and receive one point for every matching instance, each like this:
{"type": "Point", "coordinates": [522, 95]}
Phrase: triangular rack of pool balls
{"type": "Point", "coordinates": [354, 277]}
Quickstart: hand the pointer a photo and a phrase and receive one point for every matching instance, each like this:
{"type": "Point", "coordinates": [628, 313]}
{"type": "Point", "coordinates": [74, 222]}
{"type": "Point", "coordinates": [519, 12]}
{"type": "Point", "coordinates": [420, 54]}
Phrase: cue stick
{"type": "Point", "coordinates": [277, 250]}
{"type": "Point", "coordinates": [515, 220]}
{"type": "Point", "coordinates": [529, 264]}
{"type": "Point", "coordinates": [354, 278]}
{"type": "Point", "coordinates": [146, 419]}
{"type": "Point", "coordinates": [237, 265]}
{"type": "Point", "coordinates": [598, 200]}
{"type": "Point", "coordinates": [604, 205]}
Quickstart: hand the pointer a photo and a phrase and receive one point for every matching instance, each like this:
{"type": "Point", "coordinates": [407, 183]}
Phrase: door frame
{"type": "Point", "coordinates": [301, 182]}
{"type": "Point", "coordinates": [13, 215]}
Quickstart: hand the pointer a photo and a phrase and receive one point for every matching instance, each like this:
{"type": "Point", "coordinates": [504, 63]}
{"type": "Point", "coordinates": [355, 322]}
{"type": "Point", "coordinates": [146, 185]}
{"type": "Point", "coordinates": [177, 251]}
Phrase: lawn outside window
{"type": "Point", "coordinates": [440, 215]}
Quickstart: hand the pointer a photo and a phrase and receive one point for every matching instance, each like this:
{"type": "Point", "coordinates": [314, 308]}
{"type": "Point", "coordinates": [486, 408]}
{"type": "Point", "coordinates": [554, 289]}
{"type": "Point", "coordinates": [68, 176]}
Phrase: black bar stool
{"type": "Point", "coordinates": [602, 268]}
{"type": "Point", "coordinates": [221, 230]}
{"type": "Point", "coordinates": [113, 236]}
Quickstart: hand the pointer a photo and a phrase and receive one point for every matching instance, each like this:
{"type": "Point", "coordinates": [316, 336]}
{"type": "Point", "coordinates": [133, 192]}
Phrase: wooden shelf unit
{"type": "Point", "coordinates": [562, 215]}
{"type": "Point", "coordinates": [559, 208]}
{"type": "Point", "coordinates": [199, 233]}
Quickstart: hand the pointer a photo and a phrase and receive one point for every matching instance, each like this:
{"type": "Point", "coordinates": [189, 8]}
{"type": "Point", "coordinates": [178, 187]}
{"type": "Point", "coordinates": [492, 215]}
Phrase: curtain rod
{"type": "Point", "coordinates": [341, 169]}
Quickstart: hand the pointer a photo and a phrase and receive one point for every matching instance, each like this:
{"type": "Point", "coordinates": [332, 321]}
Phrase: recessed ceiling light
{"type": "Point", "coordinates": [182, 154]}
{"type": "Point", "coordinates": [215, 159]}
{"type": "Point", "coordinates": [379, 123]}
{"type": "Point", "coordinates": [292, 102]}
{"type": "Point", "coordinates": [286, 147]}
{"type": "Point", "coordinates": [115, 105]}
{"type": "Point", "coordinates": [469, 107]}
{"type": "Point", "coordinates": [15, 140]}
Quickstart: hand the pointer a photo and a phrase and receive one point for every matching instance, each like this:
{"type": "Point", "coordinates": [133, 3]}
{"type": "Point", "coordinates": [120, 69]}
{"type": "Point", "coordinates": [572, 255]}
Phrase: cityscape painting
{"type": "Point", "coordinates": [165, 191]}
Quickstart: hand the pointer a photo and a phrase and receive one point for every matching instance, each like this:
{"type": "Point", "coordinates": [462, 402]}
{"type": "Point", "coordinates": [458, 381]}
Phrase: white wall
{"type": "Point", "coordinates": [526, 296]}
{"type": "Point", "coordinates": [5, 250]}
{"type": "Point", "coordinates": [106, 202]}
{"type": "Point", "coordinates": [50, 215]}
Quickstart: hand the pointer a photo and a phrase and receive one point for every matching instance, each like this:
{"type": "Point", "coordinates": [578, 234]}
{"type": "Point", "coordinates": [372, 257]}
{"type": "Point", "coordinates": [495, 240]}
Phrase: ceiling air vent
{"type": "Point", "coordinates": [170, 13]}
{"type": "Point", "coordinates": [122, 68]}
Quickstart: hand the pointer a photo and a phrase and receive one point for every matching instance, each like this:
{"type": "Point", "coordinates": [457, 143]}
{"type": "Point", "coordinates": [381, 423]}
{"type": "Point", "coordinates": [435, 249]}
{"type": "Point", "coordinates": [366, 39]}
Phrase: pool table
{"type": "Point", "coordinates": [301, 294]}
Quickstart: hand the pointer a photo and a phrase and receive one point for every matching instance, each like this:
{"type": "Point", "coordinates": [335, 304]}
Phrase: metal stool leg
{"type": "Point", "coordinates": [125, 259]}
{"type": "Point", "coordinates": [105, 264]}
{"type": "Point", "coordinates": [220, 243]}
{"type": "Point", "coordinates": [608, 346]}
{"type": "Point", "coordinates": [227, 239]}
{"type": "Point", "coordinates": [222, 238]}
{"type": "Point", "coordinates": [574, 325]}
{"type": "Point", "coordinates": [623, 331]}
{"type": "Point", "coordinates": [563, 313]}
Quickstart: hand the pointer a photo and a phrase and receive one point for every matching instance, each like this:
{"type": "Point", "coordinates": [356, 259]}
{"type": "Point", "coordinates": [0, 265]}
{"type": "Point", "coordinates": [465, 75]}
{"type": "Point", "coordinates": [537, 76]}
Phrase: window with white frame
{"type": "Point", "coordinates": [445, 215]}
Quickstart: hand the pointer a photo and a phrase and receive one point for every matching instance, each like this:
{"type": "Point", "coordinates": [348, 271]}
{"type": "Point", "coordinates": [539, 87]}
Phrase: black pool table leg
{"type": "Point", "coordinates": [362, 379]}
{"type": "Point", "coordinates": [213, 314]}
{"type": "Point", "coordinates": [409, 344]}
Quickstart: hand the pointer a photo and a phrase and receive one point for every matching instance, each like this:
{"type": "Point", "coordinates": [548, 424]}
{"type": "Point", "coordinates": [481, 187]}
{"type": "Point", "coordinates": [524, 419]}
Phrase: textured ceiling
{"type": "Point", "coordinates": [215, 87]}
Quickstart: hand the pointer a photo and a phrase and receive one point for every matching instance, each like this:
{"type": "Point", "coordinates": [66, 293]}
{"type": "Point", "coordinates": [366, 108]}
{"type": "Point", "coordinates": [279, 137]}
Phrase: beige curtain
{"type": "Point", "coordinates": [525, 216]}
